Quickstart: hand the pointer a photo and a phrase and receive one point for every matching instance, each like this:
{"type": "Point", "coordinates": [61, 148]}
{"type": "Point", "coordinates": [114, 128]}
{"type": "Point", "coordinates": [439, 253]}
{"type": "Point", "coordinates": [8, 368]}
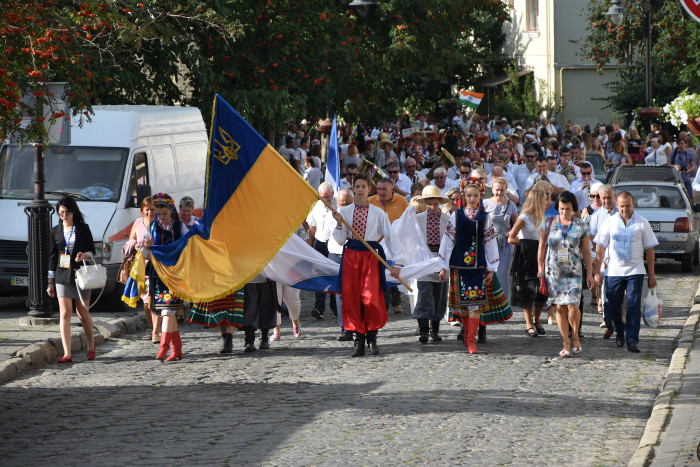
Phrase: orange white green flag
{"type": "Point", "coordinates": [470, 99]}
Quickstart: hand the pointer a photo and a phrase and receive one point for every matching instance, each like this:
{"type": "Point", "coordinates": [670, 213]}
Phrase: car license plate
{"type": "Point", "coordinates": [22, 281]}
{"type": "Point", "coordinates": [655, 226]}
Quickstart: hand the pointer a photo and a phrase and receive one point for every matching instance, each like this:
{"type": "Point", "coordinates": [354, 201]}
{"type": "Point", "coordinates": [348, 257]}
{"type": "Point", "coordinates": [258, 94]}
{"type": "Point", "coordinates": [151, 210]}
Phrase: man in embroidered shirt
{"type": "Point", "coordinates": [394, 206]}
{"type": "Point", "coordinates": [628, 238]}
{"type": "Point", "coordinates": [364, 311]}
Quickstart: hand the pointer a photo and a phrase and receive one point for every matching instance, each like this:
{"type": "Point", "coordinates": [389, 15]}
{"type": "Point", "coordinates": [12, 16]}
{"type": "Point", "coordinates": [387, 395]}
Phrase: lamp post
{"type": "Point", "coordinates": [362, 6]}
{"type": "Point", "coordinates": [617, 13]}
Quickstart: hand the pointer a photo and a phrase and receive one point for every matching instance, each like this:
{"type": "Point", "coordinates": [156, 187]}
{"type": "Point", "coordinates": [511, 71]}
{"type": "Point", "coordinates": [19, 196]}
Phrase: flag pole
{"type": "Point", "coordinates": [381, 260]}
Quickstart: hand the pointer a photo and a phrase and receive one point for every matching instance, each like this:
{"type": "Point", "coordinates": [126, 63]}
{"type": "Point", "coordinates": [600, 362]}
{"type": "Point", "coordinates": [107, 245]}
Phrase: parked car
{"type": "Point", "coordinates": [600, 173]}
{"type": "Point", "coordinates": [671, 216]}
{"type": "Point", "coordinates": [647, 173]}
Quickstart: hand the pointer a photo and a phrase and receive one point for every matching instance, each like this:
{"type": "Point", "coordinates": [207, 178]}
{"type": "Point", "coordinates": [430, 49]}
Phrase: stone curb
{"type": "Point", "coordinates": [662, 411]}
{"type": "Point", "coordinates": [40, 354]}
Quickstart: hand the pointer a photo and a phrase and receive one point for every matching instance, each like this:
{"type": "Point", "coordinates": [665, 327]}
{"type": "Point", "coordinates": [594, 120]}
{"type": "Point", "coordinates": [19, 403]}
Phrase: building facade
{"type": "Point", "coordinates": [541, 37]}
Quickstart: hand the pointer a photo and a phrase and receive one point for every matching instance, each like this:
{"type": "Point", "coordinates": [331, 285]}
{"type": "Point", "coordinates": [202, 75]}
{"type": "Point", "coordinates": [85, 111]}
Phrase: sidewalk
{"type": "Point", "coordinates": [25, 347]}
{"type": "Point", "coordinates": [672, 433]}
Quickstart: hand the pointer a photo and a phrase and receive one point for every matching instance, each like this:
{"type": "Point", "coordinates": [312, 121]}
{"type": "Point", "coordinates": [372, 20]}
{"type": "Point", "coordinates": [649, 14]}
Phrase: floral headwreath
{"type": "Point", "coordinates": [165, 199]}
{"type": "Point", "coordinates": [472, 181]}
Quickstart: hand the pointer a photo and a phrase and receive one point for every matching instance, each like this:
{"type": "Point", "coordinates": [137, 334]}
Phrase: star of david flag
{"type": "Point", "coordinates": [253, 202]}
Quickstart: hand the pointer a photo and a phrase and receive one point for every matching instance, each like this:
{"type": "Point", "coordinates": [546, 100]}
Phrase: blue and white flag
{"type": "Point", "coordinates": [333, 161]}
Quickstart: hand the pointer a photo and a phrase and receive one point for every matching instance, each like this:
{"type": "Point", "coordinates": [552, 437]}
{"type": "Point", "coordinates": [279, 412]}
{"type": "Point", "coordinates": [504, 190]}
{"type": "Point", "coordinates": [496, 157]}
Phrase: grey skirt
{"type": "Point", "coordinates": [71, 291]}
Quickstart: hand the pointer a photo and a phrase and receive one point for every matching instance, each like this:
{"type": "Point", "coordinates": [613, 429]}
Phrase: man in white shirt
{"type": "Point", "coordinates": [318, 238]}
{"type": "Point", "coordinates": [558, 182]}
{"type": "Point", "coordinates": [629, 239]}
{"type": "Point", "coordinates": [453, 172]}
{"type": "Point", "coordinates": [402, 184]}
{"type": "Point", "coordinates": [581, 188]}
{"type": "Point", "coordinates": [551, 129]}
{"type": "Point", "coordinates": [350, 171]}
{"type": "Point", "coordinates": [335, 253]}
{"type": "Point", "coordinates": [522, 172]}
{"type": "Point", "coordinates": [410, 165]}
{"type": "Point", "coordinates": [565, 168]}
{"type": "Point", "coordinates": [440, 180]}
{"type": "Point", "coordinates": [288, 152]}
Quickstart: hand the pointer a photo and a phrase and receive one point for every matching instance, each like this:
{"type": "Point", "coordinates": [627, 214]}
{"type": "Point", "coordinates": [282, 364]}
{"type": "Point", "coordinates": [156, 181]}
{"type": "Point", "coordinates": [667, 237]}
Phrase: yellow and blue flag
{"type": "Point", "coordinates": [254, 201]}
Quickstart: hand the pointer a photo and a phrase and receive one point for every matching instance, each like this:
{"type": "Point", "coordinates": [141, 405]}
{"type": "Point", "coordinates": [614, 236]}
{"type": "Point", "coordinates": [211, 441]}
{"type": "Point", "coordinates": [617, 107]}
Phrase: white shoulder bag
{"type": "Point", "coordinates": [89, 277]}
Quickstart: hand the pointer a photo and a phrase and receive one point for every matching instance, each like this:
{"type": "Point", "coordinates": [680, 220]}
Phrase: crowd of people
{"type": "Point", "coordinates": [511, 210]}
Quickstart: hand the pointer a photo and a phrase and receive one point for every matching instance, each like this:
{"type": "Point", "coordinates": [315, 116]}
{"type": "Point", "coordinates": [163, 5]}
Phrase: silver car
{"type": "Point", "coordinates": [671, 217]}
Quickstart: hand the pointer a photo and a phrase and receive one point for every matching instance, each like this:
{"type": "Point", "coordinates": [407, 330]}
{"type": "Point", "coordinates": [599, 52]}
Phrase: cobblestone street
{"type": "Point", "coordinates": [306, 402]}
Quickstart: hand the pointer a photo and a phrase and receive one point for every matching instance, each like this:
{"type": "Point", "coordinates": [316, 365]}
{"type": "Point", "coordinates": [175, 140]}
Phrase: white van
{"type": "Point", "coordinates": [126, 153]}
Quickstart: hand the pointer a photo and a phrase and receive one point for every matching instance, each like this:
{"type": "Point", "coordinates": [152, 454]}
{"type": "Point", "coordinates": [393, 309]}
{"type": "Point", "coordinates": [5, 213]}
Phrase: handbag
{"type": "Point", "coordinates": [89, 277]}
{"type": "Point", "coordinates": [123, 273]}
{"type": "Point", "coordinates": [543, 281]}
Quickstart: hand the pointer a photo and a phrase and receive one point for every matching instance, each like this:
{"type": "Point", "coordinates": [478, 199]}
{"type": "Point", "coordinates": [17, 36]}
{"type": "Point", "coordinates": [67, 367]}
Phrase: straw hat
{"type": "Point", "coordinates": [432, 192]}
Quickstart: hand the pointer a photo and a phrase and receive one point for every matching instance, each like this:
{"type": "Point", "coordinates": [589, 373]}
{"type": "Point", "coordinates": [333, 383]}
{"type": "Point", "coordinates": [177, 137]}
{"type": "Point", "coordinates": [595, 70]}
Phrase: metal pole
{"type": "Point", "coordinates": [647, 45]}
{"type": "Point", "coordinates": [39, 226]}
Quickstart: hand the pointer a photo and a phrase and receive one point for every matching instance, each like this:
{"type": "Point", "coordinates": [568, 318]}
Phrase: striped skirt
{"type": "Point", "coordinates": [227, 311]}
{"type": "Point", "coordinates": [497, 309]}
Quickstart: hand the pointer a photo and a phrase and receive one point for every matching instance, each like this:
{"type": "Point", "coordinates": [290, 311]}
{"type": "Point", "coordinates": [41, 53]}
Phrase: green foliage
{"type": "Point", "coordinates": [674, 64]}
{"type": "Point", "coordinates": [520, 97]}
{"type": "Point", "coordinates": [107, 52]}
{"type": "Point", "coordinates": [273, 61]}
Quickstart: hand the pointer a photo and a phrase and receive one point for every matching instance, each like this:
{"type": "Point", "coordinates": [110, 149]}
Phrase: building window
{"type": "Point", "coordinates": [532, 11]}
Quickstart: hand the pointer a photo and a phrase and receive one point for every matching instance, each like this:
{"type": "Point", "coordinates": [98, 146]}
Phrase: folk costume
{"type": "Point", "coordinates": [432, 293]}
{"type": "Point", "coordinates": [468, 250]}
{"type": "Point", "coordinates": [362, 278]}
{"type": "Point", "coordinates": [163, 301]}
{"type": "Point", "coordinates": [227, 311]}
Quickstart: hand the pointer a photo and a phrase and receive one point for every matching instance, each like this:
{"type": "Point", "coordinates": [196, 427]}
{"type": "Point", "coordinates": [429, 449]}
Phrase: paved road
{"type": "Point", "coordinates": [307, 402]}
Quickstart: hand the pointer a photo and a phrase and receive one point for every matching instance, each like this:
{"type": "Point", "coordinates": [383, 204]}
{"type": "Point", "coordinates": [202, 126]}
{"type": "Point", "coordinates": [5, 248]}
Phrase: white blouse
{"type": "Point", "coordinates": [447, 243]}
{"type": "Point", "coordinates": [378, 226]}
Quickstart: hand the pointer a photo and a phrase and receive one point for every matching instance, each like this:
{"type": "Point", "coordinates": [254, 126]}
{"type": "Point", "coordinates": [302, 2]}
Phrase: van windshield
{"type": "Point", "coordinates": [85, 173]}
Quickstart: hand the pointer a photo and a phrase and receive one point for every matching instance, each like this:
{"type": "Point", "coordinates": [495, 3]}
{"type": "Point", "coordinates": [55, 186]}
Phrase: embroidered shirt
{"type": "Point", "coordinates": [626, 244]}
{"type": "Point", "coordinates": [359, 219]}
{"type": "Point", "coordinates": [433, 229]}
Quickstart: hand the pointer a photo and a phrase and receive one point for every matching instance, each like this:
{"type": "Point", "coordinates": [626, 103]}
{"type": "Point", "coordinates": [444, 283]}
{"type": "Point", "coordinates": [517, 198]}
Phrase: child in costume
{"type": "Point", "coordinates": [469, 252]}
{"type": "Point", "coordinates": [167, 228]}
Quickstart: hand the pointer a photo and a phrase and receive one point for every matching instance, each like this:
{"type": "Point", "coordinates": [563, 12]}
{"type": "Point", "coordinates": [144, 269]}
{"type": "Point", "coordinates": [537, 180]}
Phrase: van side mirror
{"type": "Point", "coordinates": [142, 191]}
{"type": "Point", "coordinates": [696, 208]}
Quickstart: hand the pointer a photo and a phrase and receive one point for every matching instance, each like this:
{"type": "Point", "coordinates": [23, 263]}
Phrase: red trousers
{"type": "Point", "coordinates": [363, 300]}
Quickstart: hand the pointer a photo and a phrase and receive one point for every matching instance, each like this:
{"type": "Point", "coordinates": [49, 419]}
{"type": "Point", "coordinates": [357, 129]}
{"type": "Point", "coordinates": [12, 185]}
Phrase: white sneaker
{"type": "Point", "coordinates": [551, 322]}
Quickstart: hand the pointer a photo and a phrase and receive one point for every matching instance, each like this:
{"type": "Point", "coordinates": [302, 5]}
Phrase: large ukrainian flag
{"type": "Point", "coordinates": [254, 200]}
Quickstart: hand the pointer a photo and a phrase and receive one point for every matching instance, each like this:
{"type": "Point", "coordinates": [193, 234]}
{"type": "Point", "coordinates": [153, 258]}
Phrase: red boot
{"type": "Point", "coordinates": [177, 347]}
{"type": "Point", "coordinates": [165, 339]}
{"type": "Point", "coordinates": [470, 335]}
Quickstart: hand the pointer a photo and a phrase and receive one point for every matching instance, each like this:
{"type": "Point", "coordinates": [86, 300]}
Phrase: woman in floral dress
{"type": "Point", "coordinates": [564, 244]}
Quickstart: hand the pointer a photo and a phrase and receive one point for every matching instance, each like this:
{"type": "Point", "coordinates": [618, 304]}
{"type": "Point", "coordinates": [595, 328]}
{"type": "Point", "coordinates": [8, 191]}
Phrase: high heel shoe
{"type": "Point", "coordinates": [91, 355]}
{"type": "Point", "coordinates": [65, 359]}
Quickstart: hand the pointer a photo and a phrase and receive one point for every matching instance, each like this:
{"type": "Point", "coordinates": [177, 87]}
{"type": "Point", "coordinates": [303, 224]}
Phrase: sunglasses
{"type": "Point", "coordinates": [586, 173]}
{"type": "Point", "coordinates": [465, 173]}
{"type": "Point", "coordinates": [393, 171]}
{"type": "Point", "coordinates": [594, 196]}
{"type": "Point", "coordinates": [530, 157]}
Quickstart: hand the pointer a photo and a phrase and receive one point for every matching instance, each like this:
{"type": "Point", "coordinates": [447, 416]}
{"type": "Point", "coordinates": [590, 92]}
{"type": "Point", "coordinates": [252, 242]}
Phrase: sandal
{"type": "Point", "coordinates": [594, 301]}
{"type": "Point", "coordinates": [539, 327]}
{"type": "Point", "coordinates": [531, 334]}
{"type": "Point", "coordinates": [564, 353]}
{"type": "Point", "coordinates": [576, 350]}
